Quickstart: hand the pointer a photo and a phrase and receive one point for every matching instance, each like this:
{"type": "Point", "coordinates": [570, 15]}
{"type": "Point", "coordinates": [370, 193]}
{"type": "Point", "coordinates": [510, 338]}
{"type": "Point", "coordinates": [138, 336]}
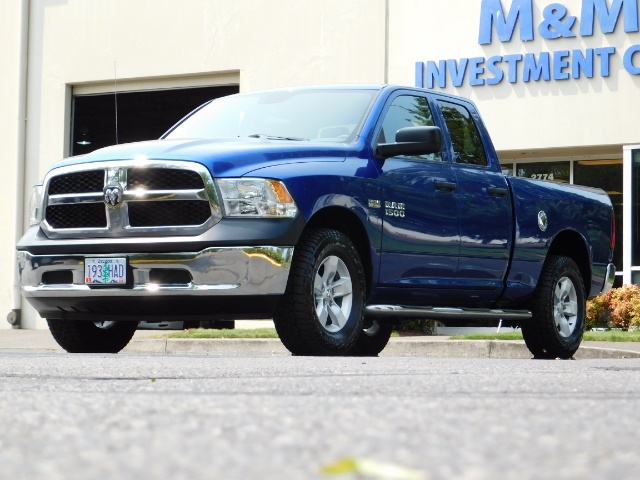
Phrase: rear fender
{"type": "Point", "coordinates": [557, 219]}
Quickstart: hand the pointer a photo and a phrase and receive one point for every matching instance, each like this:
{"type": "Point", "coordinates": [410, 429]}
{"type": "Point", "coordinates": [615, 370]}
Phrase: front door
{"type": "Point", "coordinates": [421, 241]}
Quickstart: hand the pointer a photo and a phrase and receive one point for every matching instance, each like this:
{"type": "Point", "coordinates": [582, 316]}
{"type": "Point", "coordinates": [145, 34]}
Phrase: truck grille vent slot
{"type": "Point", "coordinates": [58, 277]}
{"type": "Point", "coordinates": [168, 213]}
{"type": "Point", "coordinates": [77, 215]}
{"type": "Point", "coordinates": [169, 276]}
{"type": "Point", "coordinates": [164, 179]}
{"type": "Point", "coordinates": [81, 182]}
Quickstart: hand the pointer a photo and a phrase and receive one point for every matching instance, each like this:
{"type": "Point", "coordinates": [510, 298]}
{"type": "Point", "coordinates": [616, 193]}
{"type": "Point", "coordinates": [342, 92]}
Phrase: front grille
{"type": "Point", "coordinates": [169, 213]}
{"type": "Point", "coordinates": [81, 182]}
{"type": "Point", "coordinates": [154, 199]}
{"type": "Point", "coordinates": [77, 215]}
{"type": "Point", "coordinates": [163, 179]}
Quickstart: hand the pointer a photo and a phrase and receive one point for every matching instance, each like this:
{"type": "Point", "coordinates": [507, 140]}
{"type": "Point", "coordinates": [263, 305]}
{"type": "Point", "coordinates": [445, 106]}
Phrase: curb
{"type": "Point", "coordinates": [212, 346]}
{"type": "Point", "coordinates": [396, 348]}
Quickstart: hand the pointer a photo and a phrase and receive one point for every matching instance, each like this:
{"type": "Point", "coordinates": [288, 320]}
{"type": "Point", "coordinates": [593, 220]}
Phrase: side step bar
{"type": "Point", "coordinates": [445, 313]}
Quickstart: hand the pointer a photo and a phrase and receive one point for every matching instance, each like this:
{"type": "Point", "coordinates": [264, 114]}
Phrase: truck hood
{"type": "Point", "coordinates": [223, 157]}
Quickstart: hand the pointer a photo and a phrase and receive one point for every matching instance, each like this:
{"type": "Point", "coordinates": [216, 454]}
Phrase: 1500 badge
{"type": "Point", "coordinates": [393, 209]}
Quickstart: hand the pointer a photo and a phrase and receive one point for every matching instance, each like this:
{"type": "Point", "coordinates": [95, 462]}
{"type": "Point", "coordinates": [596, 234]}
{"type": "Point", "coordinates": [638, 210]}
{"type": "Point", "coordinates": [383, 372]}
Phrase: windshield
{"type": "Point", "coordinates": [319, 115]}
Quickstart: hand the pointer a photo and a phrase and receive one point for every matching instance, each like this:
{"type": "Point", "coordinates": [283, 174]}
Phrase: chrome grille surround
{"type": "Point", "coordinates": [117, 218]}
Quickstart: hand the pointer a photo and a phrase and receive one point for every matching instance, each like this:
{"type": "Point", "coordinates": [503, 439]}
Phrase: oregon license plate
{"type": "Point", "coordinates": [105, 271]}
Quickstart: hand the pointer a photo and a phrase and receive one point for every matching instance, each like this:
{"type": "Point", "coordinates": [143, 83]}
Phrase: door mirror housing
{"type": "Point", "coordinates": [412, 141]}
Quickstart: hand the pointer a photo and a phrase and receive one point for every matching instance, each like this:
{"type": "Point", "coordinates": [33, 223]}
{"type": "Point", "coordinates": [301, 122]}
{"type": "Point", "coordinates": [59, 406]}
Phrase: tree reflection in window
{"type": "Point", "coordinates": [467, 144]}
{"type": "Point", "coordinates": [407, 111]}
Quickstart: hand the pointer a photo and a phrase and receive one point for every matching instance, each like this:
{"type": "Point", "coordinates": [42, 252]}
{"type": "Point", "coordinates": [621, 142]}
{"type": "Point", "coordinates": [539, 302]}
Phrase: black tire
{"type": "Point", "coordinates": [327, 277]}
{"type": "Point", "coordinates": [374, 337]}
{"type": "Point", "coordinates": [559, 307]}
{"type": "Point", "coordinates": [89, 337]}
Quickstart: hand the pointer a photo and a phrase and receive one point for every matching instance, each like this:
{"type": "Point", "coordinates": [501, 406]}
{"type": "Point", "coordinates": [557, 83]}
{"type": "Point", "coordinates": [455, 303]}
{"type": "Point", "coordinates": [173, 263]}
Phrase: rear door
{"type": "Point", "coordinates": [484, 204]}
{"type": "Point", "coordinates": [421, 241]}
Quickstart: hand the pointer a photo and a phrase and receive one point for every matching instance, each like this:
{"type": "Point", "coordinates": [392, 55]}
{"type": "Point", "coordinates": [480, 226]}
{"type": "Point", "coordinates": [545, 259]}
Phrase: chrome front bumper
{"type": "Point", "coordinates": [232, 271]}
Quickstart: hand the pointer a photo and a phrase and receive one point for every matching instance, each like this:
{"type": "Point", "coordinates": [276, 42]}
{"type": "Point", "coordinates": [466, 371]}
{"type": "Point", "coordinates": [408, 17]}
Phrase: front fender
{"type": "Point", "coordinates": [345, 196]}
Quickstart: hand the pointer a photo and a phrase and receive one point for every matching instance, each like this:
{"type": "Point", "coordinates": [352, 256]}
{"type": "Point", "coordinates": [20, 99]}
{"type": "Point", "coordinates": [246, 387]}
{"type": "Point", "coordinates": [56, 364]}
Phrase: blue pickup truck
{"type": "Point", "coordinates": [333, 210]}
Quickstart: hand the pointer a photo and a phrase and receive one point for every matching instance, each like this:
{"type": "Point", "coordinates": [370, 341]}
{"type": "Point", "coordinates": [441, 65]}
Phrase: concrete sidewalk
{"type": "Point", "coordinates": [154, 341]}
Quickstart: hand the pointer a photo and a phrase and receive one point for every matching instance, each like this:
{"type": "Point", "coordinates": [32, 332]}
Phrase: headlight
{"type": "Point", "coordinates": [35, 206]}
{"type": "Point", "coordinates": [256, 197]}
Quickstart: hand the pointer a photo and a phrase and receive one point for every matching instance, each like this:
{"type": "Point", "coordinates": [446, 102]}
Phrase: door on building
{"type": "Point", "coordinates": [108, 118]}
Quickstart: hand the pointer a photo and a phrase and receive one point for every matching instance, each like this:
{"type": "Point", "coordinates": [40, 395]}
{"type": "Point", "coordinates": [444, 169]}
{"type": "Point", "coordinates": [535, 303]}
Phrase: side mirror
{"type": "Point", "coordinates": [412, 141]}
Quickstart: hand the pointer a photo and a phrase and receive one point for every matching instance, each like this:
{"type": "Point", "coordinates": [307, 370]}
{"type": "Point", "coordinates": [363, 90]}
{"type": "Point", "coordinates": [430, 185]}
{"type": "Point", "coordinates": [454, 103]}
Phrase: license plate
{"type": "Point", "coordinates": [105, 271]}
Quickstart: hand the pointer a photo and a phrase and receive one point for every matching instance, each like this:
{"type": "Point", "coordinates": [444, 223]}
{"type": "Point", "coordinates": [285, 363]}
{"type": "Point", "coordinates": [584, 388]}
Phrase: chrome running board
{"type": "Point", "coordinates": [437, 313]}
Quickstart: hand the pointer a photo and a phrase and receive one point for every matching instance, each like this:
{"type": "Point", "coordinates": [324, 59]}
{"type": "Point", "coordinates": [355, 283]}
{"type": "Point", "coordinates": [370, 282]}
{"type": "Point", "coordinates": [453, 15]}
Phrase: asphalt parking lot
{"type": "Point", "coordinates": [274, 416]}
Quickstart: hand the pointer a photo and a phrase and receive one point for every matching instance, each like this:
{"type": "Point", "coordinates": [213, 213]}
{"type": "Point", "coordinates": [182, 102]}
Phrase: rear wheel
{"type": "Point", "coordinates": [558, 321]}
{"type": "Point", "coordinates": [322, 309]}
{"type": "Point", "coordinates": [92, 337]}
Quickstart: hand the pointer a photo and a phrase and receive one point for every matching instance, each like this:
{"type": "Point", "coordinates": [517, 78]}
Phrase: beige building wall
{"type": "Point", "coordinates": [85, 45]}
{"type": "Point", "coordinates": [13, 56]}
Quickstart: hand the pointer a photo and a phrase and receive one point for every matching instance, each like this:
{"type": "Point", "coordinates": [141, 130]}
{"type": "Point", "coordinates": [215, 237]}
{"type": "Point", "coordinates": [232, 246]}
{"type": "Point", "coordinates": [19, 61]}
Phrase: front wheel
{"type": "Point", "coordinates": [558, 321]}
{"type": "Point", "coordinates": [374, 337]}
{"type": "Point", "coordinates": [92, 337]}
{"type": "Point", "coordinates": [322, 309]}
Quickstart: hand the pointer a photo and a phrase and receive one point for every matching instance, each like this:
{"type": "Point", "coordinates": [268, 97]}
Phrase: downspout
{"type": "Point", "coordinates": [14, 316]}
{"type": "Point", "coordinates": [386, 41]}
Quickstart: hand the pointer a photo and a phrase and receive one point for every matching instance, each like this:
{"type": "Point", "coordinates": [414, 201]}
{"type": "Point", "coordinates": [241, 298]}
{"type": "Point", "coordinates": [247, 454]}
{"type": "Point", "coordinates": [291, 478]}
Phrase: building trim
{"type": "Point", "coordinates": [627, 212]}
{"type": "Point", "coordinates": [210, 79]}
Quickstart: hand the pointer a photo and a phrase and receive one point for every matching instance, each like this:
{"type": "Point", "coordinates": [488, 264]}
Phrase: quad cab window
{"type": "Point", "coordinates": [467, 144]}
{"type": "Point", "coordinates": [407, 111]}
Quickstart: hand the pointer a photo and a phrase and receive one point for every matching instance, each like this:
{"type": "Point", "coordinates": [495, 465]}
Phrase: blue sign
{"type": "Point", "coordinates": [557, 22]}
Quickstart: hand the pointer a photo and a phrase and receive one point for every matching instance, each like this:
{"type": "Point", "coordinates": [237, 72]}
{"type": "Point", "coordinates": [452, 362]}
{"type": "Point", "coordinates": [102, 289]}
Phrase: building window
{"type": "Point", "coordinates": [141, 115]}
{"type": "Point", "coordinates": [635, 209]}
{"type": "Point", "coordinates": [553, 171]}
{"type": "Point", "coordinates": [507, 170]}
{"type": "Point", "coordinates": [605, 174]}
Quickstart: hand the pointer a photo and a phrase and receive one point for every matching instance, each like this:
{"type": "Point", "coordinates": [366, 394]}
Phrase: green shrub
{"type": "Point", "coordinates": [415, 325]}
{"type": "Point", "coordinates": [620, 308]}
{"type": "Point", "coordinates": [598, 311]}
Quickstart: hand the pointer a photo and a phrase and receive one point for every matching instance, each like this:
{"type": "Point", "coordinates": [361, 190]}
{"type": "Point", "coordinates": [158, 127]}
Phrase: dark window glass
{"type": "Point", "coordinates": [635, 208]}
{"type": "Point", "coordinates": [141, 115]}
{"type": "Point", "coordinates": [407, 111]}
{"type": "Point", "coordinates": [553, 171]}
{"type": "Point", "coordinates": [467, 144]}
{"type": "Point", "coordinates": [605, 174]}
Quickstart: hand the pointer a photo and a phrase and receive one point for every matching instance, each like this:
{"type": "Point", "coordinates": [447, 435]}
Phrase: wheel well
{"type": "Point", "coordinates": [347, 222]}
{"type": "Point", "coordinates": [571, 244]}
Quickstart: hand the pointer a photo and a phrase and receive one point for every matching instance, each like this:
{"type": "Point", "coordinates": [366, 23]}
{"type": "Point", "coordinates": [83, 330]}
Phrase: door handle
{"type": "Point", "coordinates": [446, 186]}
{"type": "Point", "coordinates": [497, 191]}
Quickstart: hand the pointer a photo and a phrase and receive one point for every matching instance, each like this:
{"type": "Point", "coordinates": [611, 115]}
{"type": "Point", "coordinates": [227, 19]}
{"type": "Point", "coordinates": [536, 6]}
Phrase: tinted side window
{"type": "Point", "coordinates": [407, 111]}
{"type": "Point", "coordinates": [465, 138]}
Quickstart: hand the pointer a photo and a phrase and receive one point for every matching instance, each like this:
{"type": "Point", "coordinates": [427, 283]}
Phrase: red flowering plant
{"type": "Point", "coordinates": [620, 308]}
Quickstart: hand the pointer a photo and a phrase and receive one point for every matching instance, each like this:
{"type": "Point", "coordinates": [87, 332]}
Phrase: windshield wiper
{"type": "Point", "coordinates": [276, 137]}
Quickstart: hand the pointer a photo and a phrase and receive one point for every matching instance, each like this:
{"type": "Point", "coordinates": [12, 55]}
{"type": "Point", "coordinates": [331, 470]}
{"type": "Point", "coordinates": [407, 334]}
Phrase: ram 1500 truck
{"type": "Point", "coordinates": [332, 210]}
